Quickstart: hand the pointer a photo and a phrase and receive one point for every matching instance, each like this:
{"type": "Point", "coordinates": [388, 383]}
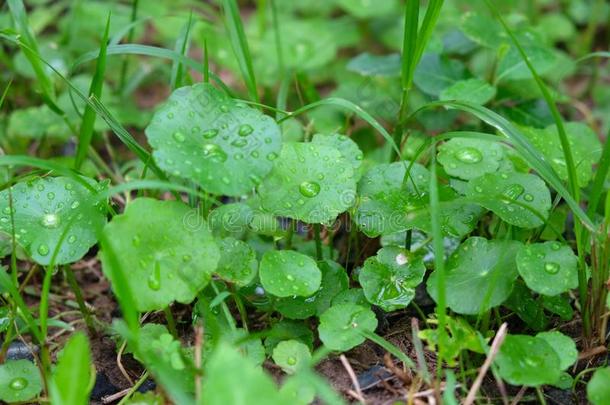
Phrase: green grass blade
{"type": "Point", "coordinates": [95, 89]}
{"type": "Point", "coordinates": [7, 285]}
{"type": "Point", "coordinates": [153, 51]}
{"type": "Point", "coordinates": [130, 32]}
{"type": "Point", "coordinates": [181, 47]}
{"type": "Point", "coordinates": [5, 92]}
{"type": "Point", "coordinates": [439, 258]}
{"type": "Point", "coordinates": [409, 46]}
{"type": "Point", "coordinates": [601, 174]}
{"type": "Point", "coordinates": [425, 32]}
{"type": "Point", "coordinates": [30, 51]}
{"type": "Point", "coordinates": [239, 43]}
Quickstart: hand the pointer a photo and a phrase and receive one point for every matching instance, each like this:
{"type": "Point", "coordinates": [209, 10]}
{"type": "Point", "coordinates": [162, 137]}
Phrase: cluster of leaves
{"type": "Point", "coordinates": [259, 202]}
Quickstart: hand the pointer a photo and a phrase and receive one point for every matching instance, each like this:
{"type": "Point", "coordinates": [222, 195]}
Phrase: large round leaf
{"type": "Point", "coordinates": [479, 275]}
{"type": "Point", "coordinates": [163, 257]}
{"type": "Point", "coordinates": [468, 158]}
{"type": "Point", "coordinates": [563, 345]}
{"type": "Point", "coordinates": [390, 278]}
{"type": "Point", "coordinates": [285, 273]}
{"type": "Point", "coordinates": [334, 281]}
{"type": "Point", "coordinates": [310, 182]}
{"type": "Point", "coordinates": [343, 326]}
{"type": "Point", "coordinates": [348, 149]}
{"type": "Point", "coordinates": [387, 197]}
{"type": "Point", "coordinates": [527, 360]}
{"type": "Point", "coordinates": [19, 381]}
{"type": "Point", "coordinates": [203, 135]}
{"type": "Point", "coordinates": [237, 263]}
{"type": "Point", "coordinates": [584, 145]}
{"type": "Point", "coordinates": [44, 208]}
{"type": "Point", "coordinates": [519, 199]}
{"type": "Point", "coordinates": [548, 268]}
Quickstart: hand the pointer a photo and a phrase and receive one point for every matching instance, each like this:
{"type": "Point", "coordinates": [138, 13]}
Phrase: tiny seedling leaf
{"type": "Point", "coordinates": [291, 355]}
{"type": "Point", "coordinates": [469, 158]}
{"type": "Point", "coordinates": [548, 268]}
{"type": "Point", "coordinates": [19, 381]}
{"type": "Point", "coordinates": [287, 273]}
{"type": "Point", "coordinates": [343, 326]}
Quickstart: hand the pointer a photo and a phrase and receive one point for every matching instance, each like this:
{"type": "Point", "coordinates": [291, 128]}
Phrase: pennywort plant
{"type": "Point", "coordinates": [282, 204]}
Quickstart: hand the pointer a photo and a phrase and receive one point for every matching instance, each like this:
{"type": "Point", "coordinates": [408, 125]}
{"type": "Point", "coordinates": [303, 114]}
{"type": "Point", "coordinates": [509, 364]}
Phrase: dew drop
{"type": "Point", "coordinates": [75, 204]}
{"type": "Point", "coordinates": [136, 241]}
{"type": "Point", "coordinates": [478, 189]}
{"type": "Point", "coordinates": [210, 133]}
{"type": "Point", "coordinates": [401, 259]}
{"type": "Point", "coordinates": [71, 239]}
{"type": "Point", "coordinates": [179, 137]}
{"type": "Point", "coordinates": [551, 267]}
{"type": "Point", "coordinates": [154, 280]}
{"type": "Point", "coordinates": [224, 108]}
{"type": "Point", "coordinates": [245, 130]}
{"type": "Point", "coordinates": [309, 189]}
{"type": "Point", "coordinates": [239, 143]}
{"type": "Point", "coordinates": [43, 250]}
{"type": "Point", "coordinates": [555, 246]}
{"type": "Point", "coordinates": [51, 195]}
{"type": "Point", "coordinates": [170, 115]}
{"type": "Point", "coordinates": [214, 152]}
{"type": "Point", "coordinates": [272, 156]}
{"type": "Point", "coordinates": [225, 180]}
{"type": "Point", "coordinates": [18, 384]}
{"type": "Point", "coordinates": [513, 191]}
{"type": "Point", "coordinates": [290, 277]}
{"type": "Point", "coordinates": [291, 361]}
{"type": "Point", "coordinates": [468, 155]}
{"type": "Point", "coordinates": [50, 221]}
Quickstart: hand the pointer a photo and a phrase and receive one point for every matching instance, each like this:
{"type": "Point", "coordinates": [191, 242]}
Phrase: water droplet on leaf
{"type": "Point", "coordinates": [309, 189]}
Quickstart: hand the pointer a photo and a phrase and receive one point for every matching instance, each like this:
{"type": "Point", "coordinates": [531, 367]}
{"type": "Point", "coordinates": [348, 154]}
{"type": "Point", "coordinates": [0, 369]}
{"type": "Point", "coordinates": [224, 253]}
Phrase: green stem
{"type": "Point", "coordinates": [134, 14]}
{"type": "Point", "coordinates": [225, 309]}
{"type": "Point", "coordinates": [78, 294]}
{"type": "Point", "coordinates": [134, 388]}
{"type": "Point", "coordinates": [408, 239]}
{"type": "Point", "coordinates": [171, 322]}
{"type": "Point", "coordinates": [241, 309]}
{"type": "Point", "coordinates": [316, 234]}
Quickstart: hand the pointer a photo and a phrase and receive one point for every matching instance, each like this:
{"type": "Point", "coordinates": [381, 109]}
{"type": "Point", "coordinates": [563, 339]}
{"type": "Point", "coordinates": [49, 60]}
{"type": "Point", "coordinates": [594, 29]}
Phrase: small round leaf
{"type": "Point", "coordinates": [334, 281]}
{"type": "Point", "coordinates": [42, 211]}
{"type": "Point", "coordinates": [203, 135]}
{"type": "Point", "coordinates": [548, 268]}
{"type": "Point", "coordinates": [164, 258]}
{"type": "Point", "coordinates": [519, 199]}
{"type": "Point", "coordinates": [475, 91]}
{"type": "Point", "coordinates": [468, 158]}
{"type": "Point", "coordinates": [527, 360]}
{"type": "Point", "coordinates": [387, 197]}
{"type": "Point", "coordinates": [237, 263]}
{"type": "Point", "coordinates": [19, 381]}
{"type": "Point", "coordinates": [342, 326]}
{"type": "Point", "coordinates": [291, 355]}
{"type": "Point", "coordinates": [598, 388]}
{"type": "Point", "coordinates": [285, 273]}
{"type": "Point", "coordinates": [563, 345]}
{"type": "Point", "coordinates": [390, 278]}
{"type": "Point", "coordinates": [480, 274]}
{"type": "Point", "coordinates": [310, 182]}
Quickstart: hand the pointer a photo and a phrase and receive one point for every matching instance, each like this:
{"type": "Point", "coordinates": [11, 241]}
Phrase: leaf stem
{"type": "Point", "coordinates": [78, 294]}
{"type": "Point", "coordinates": [316, 234]}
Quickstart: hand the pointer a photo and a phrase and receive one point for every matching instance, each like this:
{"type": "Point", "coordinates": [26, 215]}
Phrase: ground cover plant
{"type": "Point", "coordinates": [280, 202]}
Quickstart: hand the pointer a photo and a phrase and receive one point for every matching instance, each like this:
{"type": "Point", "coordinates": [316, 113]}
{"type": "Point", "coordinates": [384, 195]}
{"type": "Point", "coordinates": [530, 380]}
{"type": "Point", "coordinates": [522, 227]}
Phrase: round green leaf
{"type": "Point", "coordinates": [514, 197]}
{"type": "Point", "coordinates": [19, 381]}
{"type": "Point", "coordinates": [285, 273]}
{"type": "Point", "coordinates": [231, 219]}
{"type": "Point", "coordinates": [584, 144]}
{"type": "Point", "coordinates": [598, 388]}
{"type": "Point", "coordinates": [390, 278]}
{"type": "Point", "coordinates": [203, 135]}
{"type": "Point", "coordinates": [291, 355]}
{"type": "Point", "coordinates": [334, 280]}
{"type": "Point", "coordinates": [351, 296]}
{"type": "Point", "coordinates": [563, 345]}
{"type": "Point", "coordinates": [468, 158]}
{"type": "Point", "coordinates": [349, 149]}
{"type": "Point", "coordinates": [164, 257]}
{"type": "Point", "coordinates": [310, 182]}
{"type": "Point", "coordinates": [527, 360]}
{"type": "Point", "coordinates": [342, 326]}
{"type": "Point", "coordinates": [548, 268]}
{"type": "Point", "coordinates": [479, 275]}
{"type": "Point", "coordinates": [386, 197]}
{"type": "Point", "coordinates": [475, 91]}
{"type": "Point", "coordinates": [237, 263]}
{"type": "Point", "coordinates": [44, 208]}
